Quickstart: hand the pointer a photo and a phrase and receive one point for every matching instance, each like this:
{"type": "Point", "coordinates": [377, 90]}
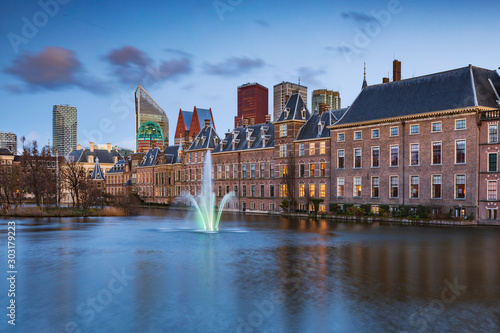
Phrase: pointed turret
{"type": "Point", "coordinates": [364, 78]}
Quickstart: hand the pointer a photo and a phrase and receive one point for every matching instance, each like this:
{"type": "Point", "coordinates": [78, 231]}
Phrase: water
{"type": "Point", "coordinates": [259, 274]}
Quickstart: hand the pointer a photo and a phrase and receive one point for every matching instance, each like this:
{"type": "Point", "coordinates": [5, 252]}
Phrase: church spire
{"type": "Point", "coordinates": [364, 78]}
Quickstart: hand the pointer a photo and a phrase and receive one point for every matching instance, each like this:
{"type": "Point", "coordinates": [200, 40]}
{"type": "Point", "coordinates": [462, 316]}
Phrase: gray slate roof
{"type": "Point", "coordinates": [103, 155]}
{"type": "Point", "coordinates": [458, 88]}
{"type": "Point", "coordinates": [172, 154]}
{"type": "Point", "coordinates": [312, 130]}
{"type": "Point", "coordinates": [294, 105]}
{"type": "Point", "coordinates": [119, 166]}
{"type": "Point", "coordinates": [151, 157]}
{"type": "Point", "coordinates": [187, 116]}
{"type": "Point", "coordinates": [251, 137]}
{"type": "Point", "coordinates": [97, 173]}
{"type": "Point", "coordinates": [205, 139]}
{"type": "Point", "coordinates": [5, 151]}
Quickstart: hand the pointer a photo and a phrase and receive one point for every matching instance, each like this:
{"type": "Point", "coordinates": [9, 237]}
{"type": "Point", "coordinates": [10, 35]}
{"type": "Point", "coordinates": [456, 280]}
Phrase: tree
{"type": "Point", "coordinates": [73, 176]}
{"type": "Point", "coordinates": [288, 175]}
{"type": "Point", "coordinates": [10, 184]}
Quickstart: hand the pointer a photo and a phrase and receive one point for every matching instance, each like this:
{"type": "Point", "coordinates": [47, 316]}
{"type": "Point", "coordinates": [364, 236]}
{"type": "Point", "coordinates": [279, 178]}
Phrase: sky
{"type": "Point", "coordinates": [92, 54]}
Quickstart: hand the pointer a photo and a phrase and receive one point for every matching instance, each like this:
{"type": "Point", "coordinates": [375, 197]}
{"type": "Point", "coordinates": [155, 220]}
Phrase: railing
{"type": "Point", "coordinates": [490, 115]}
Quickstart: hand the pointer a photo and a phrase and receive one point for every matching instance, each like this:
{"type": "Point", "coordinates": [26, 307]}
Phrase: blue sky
{"type": "Point", "coordinates": [91, 54]}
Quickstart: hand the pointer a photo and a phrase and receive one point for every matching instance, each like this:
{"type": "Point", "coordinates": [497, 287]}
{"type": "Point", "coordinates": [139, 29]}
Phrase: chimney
{"type": "Point", "coordinates": [245, 122]}
{"type": "Point", "coordinates": [252, 120]}
{"type": "Point", "coordinates": [91, 146]}
{"type": "Point", "coordinates": [385, 80]}
{"type": "Point", "coordinates": [268, 118]}
{"type": "Point", "coordinates": [207, 123]}
{"type": "Point", "coordinates": [78, 147]}
{"type": "Point", "coordinates": [109, 147]}
{"type": "Point", "coordinates": [396, 70]}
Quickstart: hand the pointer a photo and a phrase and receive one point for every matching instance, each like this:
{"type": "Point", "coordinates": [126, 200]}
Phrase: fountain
{"type": "Point", "coordinates": [205, 206]}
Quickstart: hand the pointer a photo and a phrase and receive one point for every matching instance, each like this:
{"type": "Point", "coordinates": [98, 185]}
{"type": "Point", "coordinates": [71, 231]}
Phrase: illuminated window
{"type": "Point", "coordinates": [312, 170]}
{"type": "Point", "coordinates": [322, 148]}
{"type": "Point", "coordinates": [340, 187]}
{"type": "Point", "coordinates": [414, 184]}
{"type": "Point", "coordinates": [323, 169]}
{"type": "Point", "coordinates": [312, 190]}
{"type": "Point", "coordinates": [357, 187]}
{"type": "Point", "coordinates": [322, 190]}
{"type": "Point", "coordinates": [312, 149]}
{"type": "Point", "coordinates": [302, 190]}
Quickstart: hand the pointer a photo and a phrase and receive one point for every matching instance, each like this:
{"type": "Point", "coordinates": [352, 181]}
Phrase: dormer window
{"type": "Point", "coordinates": [216, 140]}
{"type": "Point", "coordinates": [235, 143]}
{"type": "Point", "coordinates": [196, 141]}
{"type": "Point", "coordinates": [287, 112]}
{"type": "Point", "coordinates": [321, 125]}
{"type": "Point", "coordinates": [203, 138]}
{"type": "Point", "coordinates": [303, 113]}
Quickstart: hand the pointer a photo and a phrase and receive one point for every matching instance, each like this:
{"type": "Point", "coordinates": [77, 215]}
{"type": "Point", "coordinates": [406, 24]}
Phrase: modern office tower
{"type": "Point", "coordinates": [151, 122]}
{"type": "Point", "coordinates": [64, 128]}
{"type": "Point", "coordinates": [253, 104]}
{"type": "Point", "coordinates": [325, 100]}
{"type": "Point", "coordinates": [283, 91]}
{"type": "Point", "coordinates": [8, 140]}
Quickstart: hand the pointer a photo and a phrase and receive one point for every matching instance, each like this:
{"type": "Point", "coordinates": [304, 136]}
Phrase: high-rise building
{"type": "Point", "coordinates": [282, 92]}
{"type": "Point", "coordinates": [64, 128]}
{"type": "Point", "coordinates": [151, 122]}
{"type": "Point", "coordinates": [253, 103]}
{"type": "Point", "coordinates": [325, 100]}
{"type": "Point", "coordinates": [8, 140]}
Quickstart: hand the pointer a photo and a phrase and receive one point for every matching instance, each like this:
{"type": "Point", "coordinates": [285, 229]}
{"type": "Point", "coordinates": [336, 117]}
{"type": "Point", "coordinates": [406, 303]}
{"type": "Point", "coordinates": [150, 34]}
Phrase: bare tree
{"type": "Point", "coordinates": [73, 177]}
{"type": "Point", "coordinates": [10, 184]}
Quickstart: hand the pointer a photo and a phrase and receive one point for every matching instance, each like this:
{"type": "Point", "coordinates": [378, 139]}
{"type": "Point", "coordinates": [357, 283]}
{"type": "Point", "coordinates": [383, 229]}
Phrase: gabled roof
{"type": "Point", "coordinates": [204, 114]}
{"type": "Point", "coordinates": [206, 139]}
{"type": "Point", "coordinates": [312, 130]}
{"type": "Point", "coordinates": [5, 151]}
{"type": "Point", "coordinates": [151, 158]}
{"type": "Point", "coordinates": [172, 154]}
{"type": "Point", "coordinates": [454, 89]}
{"type": "Point", "coordinates": [97, 173]}
{"type": "Point", "coordinates": [187, 116]}
{"type": "Point", "coordinates": [293, 109]}
{"type": "Point", "coordinates": [246, 138]}
{"type": "Point", "coordinates": [104, 155]}
{"type": "Point", "coordinates": [119, 166]}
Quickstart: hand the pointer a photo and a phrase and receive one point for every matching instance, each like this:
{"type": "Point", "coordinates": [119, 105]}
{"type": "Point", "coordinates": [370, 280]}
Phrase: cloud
{"type": "Point", "coordinates": [262, 23]}
{"type": "Point", "coordinates": [233, 66]}
{"type": "Point", "coordinates": [131, 65]}
{"type": "Point", "coordinates": [54, 68]}
{"type": "Point", "coordinates": [357, 17]}
{"type": "Point", "coordinates": [309, 75]}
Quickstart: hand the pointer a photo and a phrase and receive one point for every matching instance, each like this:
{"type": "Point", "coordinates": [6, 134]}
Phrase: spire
{"type": "Point", "coordinates": [364, 78]}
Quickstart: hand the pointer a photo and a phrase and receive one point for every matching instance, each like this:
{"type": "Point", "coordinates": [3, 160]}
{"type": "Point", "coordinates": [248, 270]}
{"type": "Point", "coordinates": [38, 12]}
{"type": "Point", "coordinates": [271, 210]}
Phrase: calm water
{"type": "Point", "coordinates": [261, 274]}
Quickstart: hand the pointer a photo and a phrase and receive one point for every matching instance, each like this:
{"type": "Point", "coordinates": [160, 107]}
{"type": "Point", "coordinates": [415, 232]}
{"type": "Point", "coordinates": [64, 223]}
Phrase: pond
{"type": "Point", "coordinates": [157, 273]}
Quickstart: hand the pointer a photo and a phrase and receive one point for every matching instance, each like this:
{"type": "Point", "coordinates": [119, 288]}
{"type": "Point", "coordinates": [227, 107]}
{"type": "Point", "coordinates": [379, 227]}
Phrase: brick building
{"type": "Point", "coordinates": [253, 104]}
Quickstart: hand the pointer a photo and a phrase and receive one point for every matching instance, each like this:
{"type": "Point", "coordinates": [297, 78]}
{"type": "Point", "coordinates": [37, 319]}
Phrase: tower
{"type": "Point", "coordinates": [282, 92]}
{"type": "Point", "coordinates": [64, 128]}
{"type": "Point", "coordinates": [253, 103]}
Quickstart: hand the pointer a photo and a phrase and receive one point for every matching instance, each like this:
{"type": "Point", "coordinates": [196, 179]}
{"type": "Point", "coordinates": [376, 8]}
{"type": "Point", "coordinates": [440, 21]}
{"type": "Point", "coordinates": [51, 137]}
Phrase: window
{"type": "Point", "coordinates": [312, 190]}
{"type": "Point", "coordinates": [262, 190]}
{"type": "Point", "coordinates": [219, 172]}
{"type": "Point", "coordinates": [322, 148]}
{"type": "Point", "coordinates": [235, 171]}
{"type": "Point", "coordinates": [436, 127]}
{"type": "Point", "coordinates": [244, 191]}
{"type": "Point", "coordinates": [492, 162]}
{"type": "Point", "coordinates": [341, 159]}
{"type": "Point", "coordinates": [219, 191]}
{"type": "Point", "coordinates": [492, 214]}
{"type": "Point", "coordinates": [341, 137]}
{"type": "Point", "coordinates": [323, 169]}
{"type": "Point", "coordinates": [357, 135]}
{"type": "Point", "coordinates": [460, 151]}
{"type": "Point", "coordinates": [262, 167]}
{"type": "Point", "coordinates": [375, 157]}
{"type": "Point", "coordinates": [375, 133]}
{"type": "Point", "coordinates": [284, 170]}
{"type": "Point", "coordinates": [228, 173]}
{"type": "Point", "coordinates": [492, 190]}
{"type": "Point", "coordinates": [493, 134]}
{"type": "Point", "coordinates": [357, 187]}
{"type": "Point", "coordinates": [271, 191]}
{"type": "Point", "coordinates": [375, 209]}
{"type": "Point", "coordinates": [302, 190]}
{"type": "Point", "coordinates": [312, 170]}
{"type": "Point", "coordinates": [322, 190]}
{"type": "Point", "coordinates": [253, 190]}
{"type": "Point", "coordinates": [244, 171]}
{"type": "Point", "coordinates": [436, 153]}
{"type": "Point", "coordinates": [340, 187]}
{"type": "Point", "coordinates": [252, 170]}
{"type": "Point", "coordinates": [414, 154]}
{"type": "Point", "coordinates": [312, 149]}
{"type": "Point", "coordinates": [235, 190]}
{"type": "Point", "coordinates": [357, 158]}
{"type": "Point", "coordinates": [394, 155]}
{"type": "Point", "coordinates": [227, 189]}
{"type": "Point", "coordinates": [436, 187]}
{"type": "Point", "coordinates": [414, 129]}
{"type": "Point", "coordinates": [196, 157]}
{"type": "Point", "coordinates": [283, 190]}
{"type": "Point", "coordinates": [459, 186]}
{"type": "Point", "coordinates": [302, 170]}
{"type": "Point", "coordinates": [375, 187]}
{"type": "Point", "coordinates": [414, 183]}
{"type": "Point", "coordinates": [283, 150]}
{"type": "Point", "coordinates": [301, 150]}
{"type": "Point", "coordinates": [271, 169]}
{"type": "Point", "coordinates": [394, 131]}
{"type": "Point", "coordinates": [460, 124]}
{"type": "Point", "coordinates": [394, 186]}
{"type": "Point", "coordinates": [283, 130]}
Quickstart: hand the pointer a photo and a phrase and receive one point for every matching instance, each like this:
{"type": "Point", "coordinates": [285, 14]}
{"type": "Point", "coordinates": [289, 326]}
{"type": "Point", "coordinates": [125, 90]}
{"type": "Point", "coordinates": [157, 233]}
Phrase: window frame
{"type": "Point", "coordinates": [433, 196]}
{"type": "Point", "coordinates": [377, 130]}
{"type": "Point", "coordinates": [465, 124]}
{"type": "Point", "coordinates": [360, 158]}
{"type": "Point", "coordinates": [464, 153]}
{"type": "Point", "coordinates": [440, 153]}
{"type": "Point", "coordinates": [397, 131]}
{"type": "Point", "coordinates": [440, 126]}
{"type": "Point", "coordinates": [411, 187]}
{"type": "Point", "coordinates": [360, 135]}
{"type": "Point", "coordinates": [418, 154]}
{"type": "Point", "coordinates": [496, 162]}
{"type": "Point", "coordinates": [413, 126]}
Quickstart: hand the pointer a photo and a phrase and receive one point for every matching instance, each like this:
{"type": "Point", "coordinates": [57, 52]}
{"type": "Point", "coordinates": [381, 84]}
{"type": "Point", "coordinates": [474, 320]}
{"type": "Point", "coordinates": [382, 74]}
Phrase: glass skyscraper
{"type": "Point", "coordinates": [64, 128]}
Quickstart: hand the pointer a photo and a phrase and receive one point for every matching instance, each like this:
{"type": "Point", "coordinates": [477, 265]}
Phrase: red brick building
{"type": "Point", "coordinates": [189, 124]}
{"type": "Point", "coordinates": [253, 104]}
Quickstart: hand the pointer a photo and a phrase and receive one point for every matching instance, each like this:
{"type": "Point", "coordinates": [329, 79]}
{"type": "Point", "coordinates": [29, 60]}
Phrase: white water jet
{"type": "Point", "coordinates": [206, 202]}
